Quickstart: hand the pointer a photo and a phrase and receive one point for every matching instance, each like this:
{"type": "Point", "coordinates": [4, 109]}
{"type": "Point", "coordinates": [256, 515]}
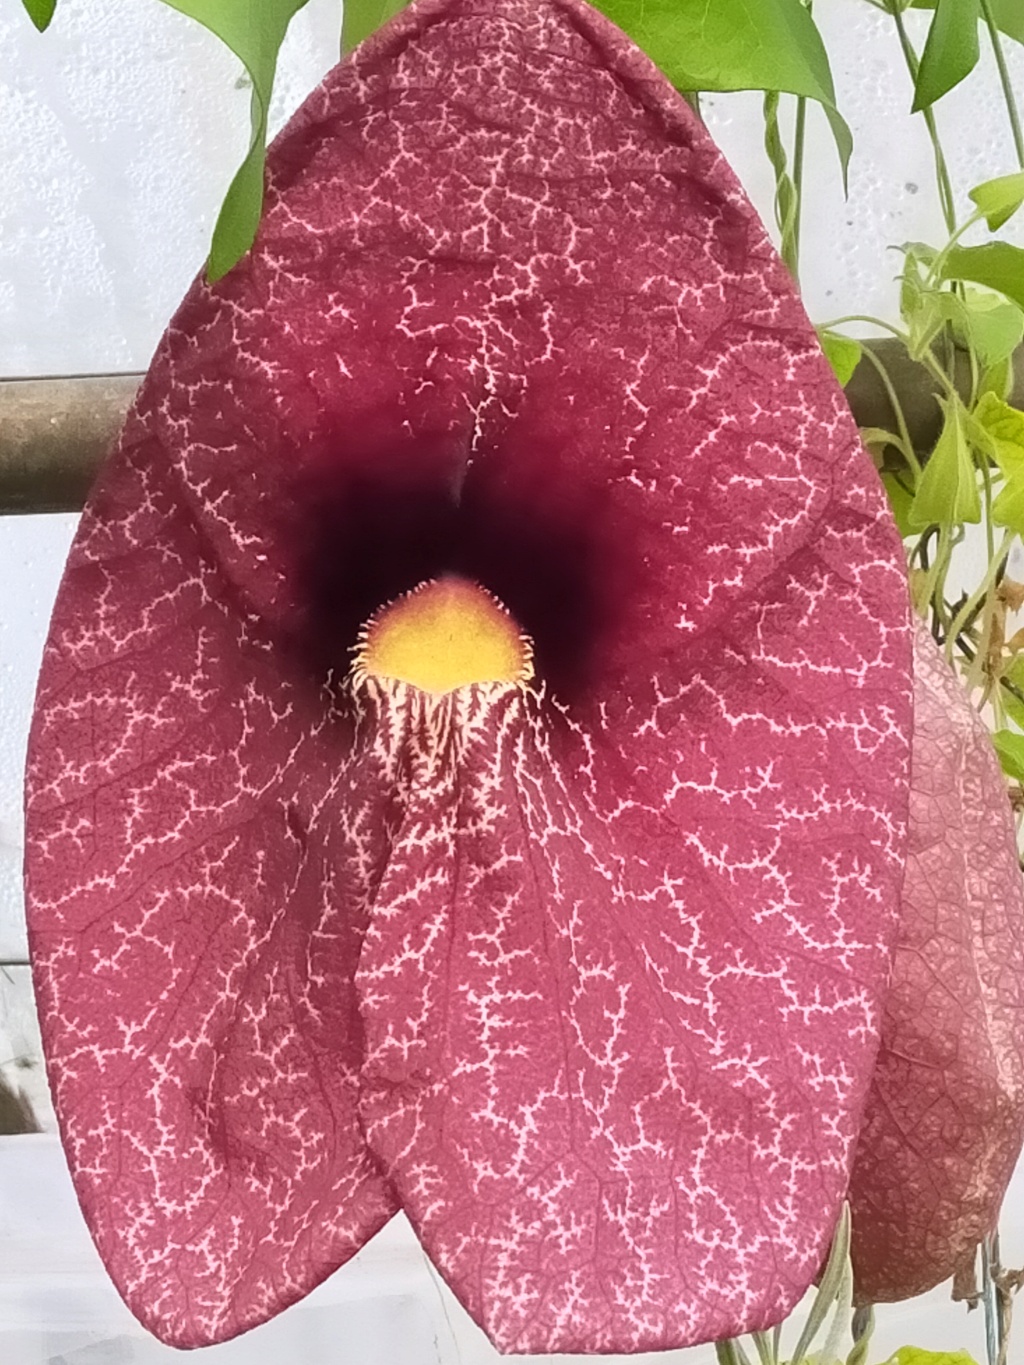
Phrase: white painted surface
{"type": "Point", "coordinates": [32, 552]}
{"type": "Point", "coordinates": [119, 130]}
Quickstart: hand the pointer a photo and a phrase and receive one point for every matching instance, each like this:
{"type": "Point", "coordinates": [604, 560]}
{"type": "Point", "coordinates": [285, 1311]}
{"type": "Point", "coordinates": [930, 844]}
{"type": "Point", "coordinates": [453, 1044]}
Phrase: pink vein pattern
{"type": "Point", "coordinates": [587, 977]}
{"type": "Point", "coordinates": [945, 1119]}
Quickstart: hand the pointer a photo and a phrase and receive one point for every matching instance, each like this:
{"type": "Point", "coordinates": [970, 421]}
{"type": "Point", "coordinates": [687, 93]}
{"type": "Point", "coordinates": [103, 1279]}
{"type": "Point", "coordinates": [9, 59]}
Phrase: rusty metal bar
{"type": "Point", "coordinates": [915, 388]}
{"type": "Point", "coordinates": [55, 433]}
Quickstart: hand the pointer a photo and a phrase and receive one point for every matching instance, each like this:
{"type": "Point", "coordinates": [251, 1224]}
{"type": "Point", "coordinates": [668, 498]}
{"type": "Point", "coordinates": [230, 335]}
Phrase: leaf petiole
{"type": "Point", "coordinates": [1004, 80]}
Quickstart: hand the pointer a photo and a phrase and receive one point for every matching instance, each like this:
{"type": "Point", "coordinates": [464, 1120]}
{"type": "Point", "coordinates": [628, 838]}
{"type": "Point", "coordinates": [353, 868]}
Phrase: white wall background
{"type": "Point", "coordinates": [119, 131]}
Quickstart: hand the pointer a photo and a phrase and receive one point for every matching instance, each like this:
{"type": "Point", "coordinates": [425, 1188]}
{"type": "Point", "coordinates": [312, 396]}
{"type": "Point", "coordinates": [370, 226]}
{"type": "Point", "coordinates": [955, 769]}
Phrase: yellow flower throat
{"type": "Point", "coordinates": [445, 633]}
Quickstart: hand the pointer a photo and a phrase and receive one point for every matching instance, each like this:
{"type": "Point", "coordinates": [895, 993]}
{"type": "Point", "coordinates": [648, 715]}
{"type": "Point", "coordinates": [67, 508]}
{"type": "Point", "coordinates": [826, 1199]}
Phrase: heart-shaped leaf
{"type": "Point", "coordinates": [916, 1355]}
{"type": "Point", "coordinates": [363, 17]}
{"type": "Point", "coordinates": [1008, 14]}
{"type": "Point", "coordinates": [736, 45]}
{"type": "Point", "coordinates": [40, 12]}
{"type": "Point", "coordinates": [950, 52]}
{"type": "Point", "coordinates": [999, 199]}
{"type": "Point", "coordinates": [947, 492]}
{"type": "Point", "coordinates": [989, 324]}
{"type": "Point", "coordinates": [254, 33]}
{"type": "Point", "coordinates": [996, 265]}
{"type": "Point", "coordinates": [842, 353]}
{"type": "Point", "coordinates": [1003, 426]}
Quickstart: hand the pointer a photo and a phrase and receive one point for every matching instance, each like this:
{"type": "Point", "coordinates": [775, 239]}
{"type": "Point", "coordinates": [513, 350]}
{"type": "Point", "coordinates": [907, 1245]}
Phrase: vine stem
{"type": "Point", "coordinates": [1004, 78]}
{"type": "Point", "coordinates": [906, 444]}
{"type": "Point", "coordinates": [989, 1255]}
{"type": "Point", "coordinates": [977, 671]}
{"type": "Point", "coordinates": [934, 276]}
{"type": "Point", "coordinates": [798, 169]}
{"type": "Point", "coordinates": [995, 565]}
{"type": "Point", "coordinates": [928, 359]}
{"type": "Point", "coordinates": [731, 1352]}
{"type": "Point", "coordinates": [785, 190]}
{"type": "Point", "coordinates": [798, 178]}
{"type": "Point", "coordinates": [941, 170]}
{"type": "Point", "coordinates": [865, 317]}
{"type": "Point", "coordinates": [937, 572]}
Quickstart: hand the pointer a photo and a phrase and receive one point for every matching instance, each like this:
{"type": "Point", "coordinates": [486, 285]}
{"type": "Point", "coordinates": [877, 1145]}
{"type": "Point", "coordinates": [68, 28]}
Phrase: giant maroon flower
{"type": "Point", "coordinates": [945, 1116]}
{"type": "Point", "coordinates": [582, 969]}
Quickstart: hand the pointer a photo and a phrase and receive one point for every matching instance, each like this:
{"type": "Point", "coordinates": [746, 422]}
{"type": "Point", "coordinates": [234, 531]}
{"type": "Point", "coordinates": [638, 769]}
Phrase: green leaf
{"type": "Point", "coordinates": [40, 12]}
{"type": "Point", "coordinates": [842, 353]}
{"type": "Point", "coordinates": [254, 33]}
{"type": "Point", "coordinates": [878, 438]}
{"type": "Point", "coordinates": [1008, 14]}
{"type": "Point", "coordinates": [988, 324]}
{"type": "Point", "coordinates": [735, 45]}
{"type": "Point", "coordinates": [729, 45]}
{"type": "Point", "coordinates": [921, 307]}
{"type": "Point", "coordinates": [1004, 426]}
{"type": "Point", "coordinates": [997, 265]}
{"type": "Point", "coordinates": [998, 380]}
{"type": "Point", "coordinates": [919, 252]}
{"type": "Point", "coordinates": [950, 52]}
{"type": "Point", "coordinates": [1000, 435]}
{"type": "Point", "coordinates": [900, 502]}
{"type": "Point", "coordinates": [914, 1355]}
{"type": "Point", "coordinates": [1008, 507]}
{"type": "Point", "coordinates": [947, 492]}
{"type": "Point", "coordinates": [932, 310]}
{"type": "Point", "coordinates": [843, 138]}
{"type": "Point", "coordinates": [999, 199]}
{"type": "Point", "coordinates": [360, 18]}
{"type": "Point", "coordinates": [1014, 673]}
{"type": "Point", "coordinates": [1014, 709]}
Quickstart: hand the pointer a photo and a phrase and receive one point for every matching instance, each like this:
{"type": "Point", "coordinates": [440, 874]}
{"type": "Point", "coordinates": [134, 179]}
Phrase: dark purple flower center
{"type": "Point", "coordinates": [375, 533]}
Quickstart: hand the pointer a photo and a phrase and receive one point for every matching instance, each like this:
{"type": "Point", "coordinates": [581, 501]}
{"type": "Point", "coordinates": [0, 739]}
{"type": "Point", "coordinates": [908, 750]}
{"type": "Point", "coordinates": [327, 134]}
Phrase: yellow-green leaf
{"type": "Point", "coordinates": [1004, 427]}
{"type": "Point", "coordinates": [915, 1355]}
{"type": "Point", "coordinates": [924, 310]}
{"type": "Point", "coordinates": [1008, 507]}
{"type": "Point", "coordinates": [997, 430]}
{"type": "Point", "coordinates": [900, 502]}
{"type": "Point", "coordinates": [989, 324]}
{"type": "Point", "coordinates": [931, 311]}
{"type": "Point", "coordinates": [998, 380]}
{"type": "Point", "coordinates": [360, 18]}
{"type": "Point", "coordinates": [1009, 745]}
{"type": "Point", "coordinates": [842, 353]}
{"type": "Point", "coordinates": [1014, 674]}
{"type": "Point", "coordinates": [947, 492]}
{"type": "Point", "coordinates": [999, 199]}
{"type": "Point", "coordinates": [997, 265]}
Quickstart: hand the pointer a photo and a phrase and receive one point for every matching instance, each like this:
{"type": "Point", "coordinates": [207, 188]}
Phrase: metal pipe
{"type": "Point", "coordinates": [915, 388]}
{"type": "Point", "coordinates": [55, 433]}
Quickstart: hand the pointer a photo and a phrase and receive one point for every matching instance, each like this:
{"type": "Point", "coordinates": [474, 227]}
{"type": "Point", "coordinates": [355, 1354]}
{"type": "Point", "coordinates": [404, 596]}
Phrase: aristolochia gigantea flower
{"type": "Point", "coordinates": [945, 1116]}
{"type": "Point", "coordinates": [470, 767]}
